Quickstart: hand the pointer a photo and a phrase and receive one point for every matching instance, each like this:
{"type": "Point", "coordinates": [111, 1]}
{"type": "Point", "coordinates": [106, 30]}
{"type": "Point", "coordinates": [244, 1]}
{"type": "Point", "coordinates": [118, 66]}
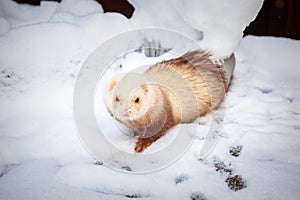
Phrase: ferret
{"type": "Point", "coordinates": [168, 93]}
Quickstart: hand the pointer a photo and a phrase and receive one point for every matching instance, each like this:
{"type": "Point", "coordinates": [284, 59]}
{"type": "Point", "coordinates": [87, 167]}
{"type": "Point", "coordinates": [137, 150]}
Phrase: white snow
{"type": "Point", "coordinates": [42, 49]}
{"type": "Point", "coordinates": [224, 27]}
{"type": "Point", "coordinates": [22, 14]}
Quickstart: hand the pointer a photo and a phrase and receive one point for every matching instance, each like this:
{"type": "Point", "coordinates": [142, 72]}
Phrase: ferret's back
{"type": "Point", "coordinates": [195, 81]}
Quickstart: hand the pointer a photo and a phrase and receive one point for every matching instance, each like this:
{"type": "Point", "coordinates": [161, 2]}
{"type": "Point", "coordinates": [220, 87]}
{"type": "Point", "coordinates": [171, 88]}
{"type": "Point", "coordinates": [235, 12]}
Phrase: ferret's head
{"type": "Point", "coordinates": [131, 96]}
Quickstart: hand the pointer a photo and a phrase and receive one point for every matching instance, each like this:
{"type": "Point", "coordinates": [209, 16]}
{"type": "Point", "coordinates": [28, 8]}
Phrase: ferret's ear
{"type": "Point", "coordinates": [145, 87]}
{"type": "Point", "coordinates": [112, 85]}
{"type": "Point", "coordinates": [114, 81]}
{"type": "Point", "coordinates": [109, 92]}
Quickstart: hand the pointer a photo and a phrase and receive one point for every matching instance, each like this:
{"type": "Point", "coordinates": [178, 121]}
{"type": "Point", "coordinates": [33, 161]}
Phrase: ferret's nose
{"type": "Point", "coordinates": [126, 112]}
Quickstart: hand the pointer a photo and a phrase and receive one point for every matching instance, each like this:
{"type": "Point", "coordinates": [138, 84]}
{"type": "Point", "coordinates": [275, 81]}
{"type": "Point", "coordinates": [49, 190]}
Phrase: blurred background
{"type": "Point", "coordinates": [276, 18]}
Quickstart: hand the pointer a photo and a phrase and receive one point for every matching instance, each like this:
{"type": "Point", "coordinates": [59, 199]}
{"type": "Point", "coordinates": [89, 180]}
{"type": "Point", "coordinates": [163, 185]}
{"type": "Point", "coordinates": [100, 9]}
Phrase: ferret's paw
{"type": "Point", "coordinates": [142, 144]}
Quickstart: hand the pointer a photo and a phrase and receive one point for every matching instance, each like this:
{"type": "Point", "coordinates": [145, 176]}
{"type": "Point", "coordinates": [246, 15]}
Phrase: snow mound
{"type": "Point", "coordinates": [222, 23]}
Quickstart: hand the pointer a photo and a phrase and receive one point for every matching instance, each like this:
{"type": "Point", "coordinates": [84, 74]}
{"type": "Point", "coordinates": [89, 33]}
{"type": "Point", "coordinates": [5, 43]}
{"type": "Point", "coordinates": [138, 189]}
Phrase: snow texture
{"type": "Point", "coordinates": [41, 157]}
{"type": "Point", "coordinates": [224, 27]}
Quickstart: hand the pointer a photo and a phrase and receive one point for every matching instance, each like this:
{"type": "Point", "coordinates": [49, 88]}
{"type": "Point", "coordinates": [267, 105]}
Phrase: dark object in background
{"type": "Point", "coordinates": [34, 2]}
{"type": "Point", "coordinates": [276, 18]}
{"type": "Point", "coordinates": [119, 6]}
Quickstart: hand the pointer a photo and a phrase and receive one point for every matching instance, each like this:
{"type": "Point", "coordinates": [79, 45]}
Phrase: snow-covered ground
{"type": "Point", "coordinates": [41, 157]}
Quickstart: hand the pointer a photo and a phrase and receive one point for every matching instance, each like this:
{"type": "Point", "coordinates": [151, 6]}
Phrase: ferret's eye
{"type": "Point", "coordinates": [117, 99]}
{"type": "Point", "coordinates": [137, 100]}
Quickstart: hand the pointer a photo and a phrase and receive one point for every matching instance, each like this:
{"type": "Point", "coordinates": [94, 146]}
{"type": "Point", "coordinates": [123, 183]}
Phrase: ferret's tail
{"type": "Point", "coordinates": [229, 65]}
